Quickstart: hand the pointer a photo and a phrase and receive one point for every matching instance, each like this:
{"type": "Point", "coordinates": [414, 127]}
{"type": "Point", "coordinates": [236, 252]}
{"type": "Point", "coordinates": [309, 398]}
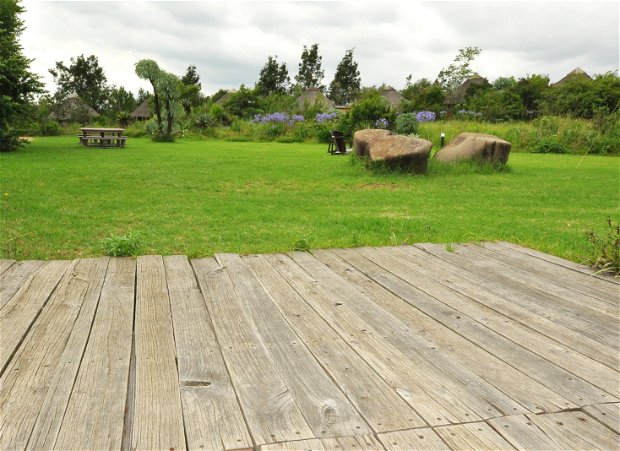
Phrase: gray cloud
{"type": "Point", "coordinates": [229, 41]}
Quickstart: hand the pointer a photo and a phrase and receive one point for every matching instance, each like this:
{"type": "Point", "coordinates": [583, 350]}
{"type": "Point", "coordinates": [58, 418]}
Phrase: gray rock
{"type": "Point", "coordinates": [475, 147]}
{"type": "Point", "coordinates": [394, 150]}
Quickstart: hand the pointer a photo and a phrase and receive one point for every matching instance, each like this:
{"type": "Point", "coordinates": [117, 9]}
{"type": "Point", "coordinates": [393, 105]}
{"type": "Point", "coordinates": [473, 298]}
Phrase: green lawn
{"type": "Point", "coordinates": [199, 197]}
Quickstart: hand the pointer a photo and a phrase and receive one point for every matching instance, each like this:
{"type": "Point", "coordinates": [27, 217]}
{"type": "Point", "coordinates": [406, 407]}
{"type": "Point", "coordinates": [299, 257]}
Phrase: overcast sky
{"type": "Point", "coordinates": [229, 41]}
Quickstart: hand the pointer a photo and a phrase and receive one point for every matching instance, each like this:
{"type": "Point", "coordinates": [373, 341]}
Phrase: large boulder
{"type": "Point", "coordinates": [394, 150]}
{"type": "Point", "coordinates": [475, 147]}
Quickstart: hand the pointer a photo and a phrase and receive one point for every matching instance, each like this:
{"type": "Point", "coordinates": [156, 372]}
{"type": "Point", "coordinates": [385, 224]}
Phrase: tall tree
{"type": "Point", "coordinates": [273, 78]}
{"type": "Point", "coordinates": [190, 95]}
{"type": "Point", "coordinates": [346, 83]}
{"type": "Point", "coordinates": [85, 77]}
{"type": "Point", "coordinates": [191, 77]}
{"type": "Point", "coordinates": [310, 74]}
{"type": "Point", "coordinates": [17, 83]}
{"type": "Point", "coordinates": [165, 91]}
{"type": "Point", "coordinates": [458, 71]}
{"type": "Point", "coordinates": [119, 99]}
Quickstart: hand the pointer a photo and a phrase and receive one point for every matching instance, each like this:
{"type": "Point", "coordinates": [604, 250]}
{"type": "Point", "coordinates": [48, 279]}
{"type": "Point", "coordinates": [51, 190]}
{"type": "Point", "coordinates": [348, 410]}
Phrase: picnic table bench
{"type": "Point", "coordinates": [102, 137]}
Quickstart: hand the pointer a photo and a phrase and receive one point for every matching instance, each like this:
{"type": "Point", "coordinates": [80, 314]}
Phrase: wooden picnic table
{"type": "Point", "coordinates": [102, 137]}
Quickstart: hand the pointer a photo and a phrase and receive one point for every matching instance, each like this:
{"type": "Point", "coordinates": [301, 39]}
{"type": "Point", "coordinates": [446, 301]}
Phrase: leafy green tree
{"type": "Point", "coordinates": [273, 78]}
{"type": "Point", "coordinates": [119, 100]}
{"type": "Point", "coordinates": [143, 94]}
{"type": "Point", "coordinates": [451, 77]}
{"type": "Point", "coordinates": [346, 83]}
{"type": "Point", "coordinates": [422, 95]}
{"type": "Point", "coordinates": [244, 103]}
{"type": "Point", "coordinates": [497, 104]}
{"type": "Point", "coordinates": [532, 90]}
{"type": "Point", "coordinates": [371, 107]}
{"type": "Point", "coordinates": [17, 84]}
{"type": "Point", "coordinates": [310, 74]}
{"type": "Point", "coordinates": [583, 96]}
{"type": "Point", "coordinates": [190, 95]}
{"type": "Point", "coordinates": [85, 77]}
{"type": "Point", "coordinates": [166, 95]}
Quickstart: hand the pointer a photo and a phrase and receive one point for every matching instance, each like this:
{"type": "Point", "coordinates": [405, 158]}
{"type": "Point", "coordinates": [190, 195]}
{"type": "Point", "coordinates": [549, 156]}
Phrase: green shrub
{"type": "Point", "coordinates": [136, 129]}
{"type": "Point", "coordinates": [370, 109]}
{"type": "Point", "coordinates": [549, 145]}
{"type": "Point", "coordinates": [605, 253]}
{"type": "Point", "coordinates": [407, 124]}
{"type": "Point", "coordinates": [121, 246]}
{"type": "Point", "coordinates": [49, 128]}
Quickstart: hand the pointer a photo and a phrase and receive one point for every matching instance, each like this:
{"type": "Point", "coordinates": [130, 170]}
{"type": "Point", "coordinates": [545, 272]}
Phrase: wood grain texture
{"type": "Point", "coordinates": [22, 309]}
{"type": "Point", "coordinates": [13, 277]}
{"type": "Point", "coordinates": [213, 417]}
{"type": "Point", "coordinates": [576, 430]}
{"type": "Point", "coordinates": [522, 433]}
{"type": "Point", "coordinates": [157, 413]}
{"type": "Point", "coordinates": [271, 413]}
{"type": "Point", "coordinates": [607, 414]}
{"type": "Point", "coordinates": [94, 418]}
{"type": "Point", "coordinates": [412, 439]}
{"type": "Point", "coordinates": [358, 380]}
{"type": "Point", "coordinates": [521, 308]}
{"type": "Point", "coordinates": [472, 436]}
{"type": "Point", "coordinates": [559, 262]}
{"type": "Point", "coordinates": [33, 381]}
{"type": "Point", "coordinates": [352, 443]}
{"type": "Point", "coordinates": [5, 263]}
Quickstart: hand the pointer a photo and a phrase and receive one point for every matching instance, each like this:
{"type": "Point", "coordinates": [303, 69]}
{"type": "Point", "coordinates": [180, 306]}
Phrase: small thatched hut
{"type": "Point", "coordinates": [391, 95]}
{"type": "Point", "coordinates": [466, 88]}
{"type": "Point", "coordinates": [226, 97]}
{"type": "Point", "coordinates": [577, 72]}
{"type": "Point", "coordinates": [313, 96]}
{"type": "Point", "coordinates": [73, 109]}
{"type": "Point", "coordinates": [142, 112]}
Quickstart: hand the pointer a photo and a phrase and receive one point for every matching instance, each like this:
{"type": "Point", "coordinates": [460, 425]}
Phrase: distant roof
{"type": "Point", "coordinates": [222, 100]}
{"type": "Point", "coordinates": [391, 95]}
{"type": "Point", "coordinates": [312, 96]}
{"type": "Point", "coordinates": [577, 72]}
{"type": "Point", "coordinates": [476, 80]}
{"type": "Point", "coordinates": [143, 111]}
{"type": "Point", "coordinates": [70, 105]}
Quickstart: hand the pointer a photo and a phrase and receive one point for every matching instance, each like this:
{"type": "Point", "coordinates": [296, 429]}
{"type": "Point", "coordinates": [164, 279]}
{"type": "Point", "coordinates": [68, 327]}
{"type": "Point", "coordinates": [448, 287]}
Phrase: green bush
{"type": "Point", "coordinates": [121, 246]}
{"type": "Point", "coordinates": [49, 128]}
{"type": "Point", "coordinates": [605, 249]}
{"type": "Point", "coordinates": [136, 129]}
{"type": "Point", "coordinates": [370, 109]}
{"type": "Point", "coordinates": [407, 124]}
{"type": "Point", "coordinates": [549, 145]}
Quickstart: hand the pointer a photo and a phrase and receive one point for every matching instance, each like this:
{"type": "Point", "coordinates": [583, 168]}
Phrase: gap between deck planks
{"type": "Point", "coordinates": [408, 347]}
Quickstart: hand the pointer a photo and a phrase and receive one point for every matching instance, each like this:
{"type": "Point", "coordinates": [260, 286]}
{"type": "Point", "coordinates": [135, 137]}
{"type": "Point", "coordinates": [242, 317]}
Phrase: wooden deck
{"type": "Point", "coordinates": [411, 347]}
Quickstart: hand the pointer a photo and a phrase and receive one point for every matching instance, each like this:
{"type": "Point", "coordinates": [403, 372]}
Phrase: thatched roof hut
{"type": "Point", "coordinates": [73, 109]}
{"type": "Point", "coordinates": [313, 96]}
{"type": "Point", "coordinates": [143, 111]}
{"type": "Point", "coordinates": [577, 72]}
{"type": "Point", "coordinates": [466, 88]}
{"type": "Point", "coordinates": [226, 97]}
{"type": "Point", "coordinates": [391, 95]}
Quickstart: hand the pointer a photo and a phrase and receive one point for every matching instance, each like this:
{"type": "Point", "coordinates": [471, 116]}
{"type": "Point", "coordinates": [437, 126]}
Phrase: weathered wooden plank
{"type": "Point", "coordinates": [579, 282]}
{"type": "Point", "coordinates": [5, 263]}
{"type": "Point", "coordinates": [412, 439]}
{"type": "Point", "coordinates": [54, 406]}
{"type": "Point", "coordinates": [351, 443]}
{"type": "Point", "coordinates": [576, 430]}
{"type": "Point", "coordinates": [458, 336]}
{"type": "Point", "coordinates": [326, 409]}
{"type": "Point", "coordinates": [39, 378]}
{"type": "Point", "coordinates": [363, 386]}
{"type": "Point", "coordinates": [19, 274]}
{"type": "Point", "coordinates": [213, 417]}
{"type": "Point", "coordinates": [608, 414]}
{"type": "Point", "coordinates": [472, 436]}
{"type": "Point", "coordinates": [564, 294]}
{"type": "Point", "coordinates": [520, 308]}
{"type": "Point", "coordinates": [429, 382]}
{"type": "Point", "coordinates": [559, 262]}
{"type": "Point", "coordinates": [522, 433]}
{"type": "Point", "coordinates": [95, 409]}
{"type": "Point", "coordinates": [588, 322]}
{"type": "Point", "coordinates": [21, 311]}
{"type": "Point", "coordinates": [268, 405]}
{"type": "Point", "coordinates": [157, 413]}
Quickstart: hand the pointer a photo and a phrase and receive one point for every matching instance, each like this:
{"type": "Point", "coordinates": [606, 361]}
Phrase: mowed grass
{"type": "Point", "coordinates": [198, 197]}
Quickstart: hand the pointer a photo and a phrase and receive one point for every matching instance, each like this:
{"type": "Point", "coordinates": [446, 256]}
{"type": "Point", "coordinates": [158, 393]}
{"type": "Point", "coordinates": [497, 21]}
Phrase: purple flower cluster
{"type": "Point", "coordinates": [282, 118]}
{"type": "Point", "coordinates": [425, 116]}
{"type": "Point", "coordinates": [325, 117]}
{"type": "Point", "coordinates": [381, 123]}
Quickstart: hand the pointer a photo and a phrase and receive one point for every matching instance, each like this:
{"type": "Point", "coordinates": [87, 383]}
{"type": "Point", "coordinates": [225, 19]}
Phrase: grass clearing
{"type": "Point", "coordinates": [197, 197]}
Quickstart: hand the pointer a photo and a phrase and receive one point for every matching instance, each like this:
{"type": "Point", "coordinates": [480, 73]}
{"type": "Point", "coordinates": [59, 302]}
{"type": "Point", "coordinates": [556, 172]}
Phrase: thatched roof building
{"type": "Point", "coordinates": [391, 95]}
{"type": "Point", "coordinates": [73, 109]}
{"type": "Point", "coordinates": [466, 88]}
{"type": "Point", "coordinates": [313, 96]}
{"type": "Point", "coordinates": [226, 97]}
{"type": "Point", "coordinates": [143, 111]}
{"type": "Point", "coordinates": [577, 72]}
